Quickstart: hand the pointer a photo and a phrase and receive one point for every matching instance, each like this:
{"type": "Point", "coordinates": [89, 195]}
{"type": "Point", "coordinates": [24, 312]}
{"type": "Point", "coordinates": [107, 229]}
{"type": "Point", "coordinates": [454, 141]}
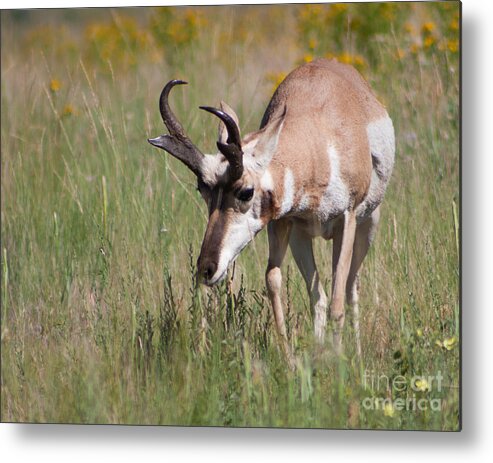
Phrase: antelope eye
{"type": "Point", "coordinates": [245, 195]}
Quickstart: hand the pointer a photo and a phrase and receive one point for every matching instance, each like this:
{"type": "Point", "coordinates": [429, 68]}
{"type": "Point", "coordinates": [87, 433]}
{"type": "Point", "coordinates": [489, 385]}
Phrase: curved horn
{"type": "Point", "coordinates": [169, 119]}
{"type": "Point", "coordinates": [233, 130]}
{"type": "Point", "coordinates": [177, 143]}
{"type": "Point", "coordinates": [232, 149]}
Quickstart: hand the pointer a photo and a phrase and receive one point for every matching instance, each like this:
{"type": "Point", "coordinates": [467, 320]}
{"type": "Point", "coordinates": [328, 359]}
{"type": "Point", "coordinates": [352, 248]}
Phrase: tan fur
{"type": "Point", "coordinates": [338, 111]}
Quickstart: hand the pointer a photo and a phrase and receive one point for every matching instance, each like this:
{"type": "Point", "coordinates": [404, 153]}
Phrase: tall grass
{"type": "Point", "coordinates": [101, 319]}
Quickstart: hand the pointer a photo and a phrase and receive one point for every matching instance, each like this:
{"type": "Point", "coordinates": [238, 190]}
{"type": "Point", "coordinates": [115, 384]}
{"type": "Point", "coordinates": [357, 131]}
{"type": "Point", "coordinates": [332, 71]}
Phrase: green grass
{"type": "Point", "coordinates": [101, 322]}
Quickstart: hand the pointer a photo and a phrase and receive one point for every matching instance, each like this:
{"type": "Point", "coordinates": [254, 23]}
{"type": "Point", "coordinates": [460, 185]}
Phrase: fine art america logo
{"type": "Point", "coordinates": [401, 393]}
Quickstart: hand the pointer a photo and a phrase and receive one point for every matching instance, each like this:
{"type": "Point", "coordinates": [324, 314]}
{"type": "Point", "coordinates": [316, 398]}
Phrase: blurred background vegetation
{"type": "Point", "coordinates": [121, 40]}
{"type": "Point", "coordinates": [101, 321]}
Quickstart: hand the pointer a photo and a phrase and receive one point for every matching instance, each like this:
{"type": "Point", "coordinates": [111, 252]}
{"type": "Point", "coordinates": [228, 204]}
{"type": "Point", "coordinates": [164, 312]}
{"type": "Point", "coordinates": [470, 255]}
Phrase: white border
{"type": "Point", "coordinates": [93, 443]}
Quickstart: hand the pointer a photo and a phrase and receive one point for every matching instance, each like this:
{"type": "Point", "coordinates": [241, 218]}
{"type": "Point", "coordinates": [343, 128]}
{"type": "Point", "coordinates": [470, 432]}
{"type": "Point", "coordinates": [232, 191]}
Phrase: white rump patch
{"type": "Point", "coordinates": [335, 199]}
{"type": "Point", "coordinates": [382, 147]}
{"type": "Point", "coordinates": [288, 198]}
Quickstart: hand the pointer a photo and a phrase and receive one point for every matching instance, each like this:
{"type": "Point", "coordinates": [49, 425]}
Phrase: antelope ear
{"type": "Point", "coordinates": [222, 135]}
{"type": "Point", "coordinates": [268, 141]}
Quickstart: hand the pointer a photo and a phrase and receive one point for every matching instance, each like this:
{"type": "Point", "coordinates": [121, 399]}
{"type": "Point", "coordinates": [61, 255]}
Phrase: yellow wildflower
{"type": "Point", "coordinates": [68, 110]}
{"type": "Point", "coordinates": [345, 58]}
{"type": "Point", "coordinates": [419, 333]}
{"type": "Point", "coordinates": [335, 10]}
{"type": "Point", "coordinates": [453, 46]}
{"type": "Point", "coordinates": [450, 343]}
{"type": "Point", "coordinates": [414, 48]}
{"type": "Point", "coordinates": [454, 25]}
{"type": "Point", "coordinates": [388, 410]}
{"type": "Point", "coordinates": [358, 60]}
{"type": "Point", "coordinates": [421, 385]}
{"type": "Point", "coordinates": [311, 11]}
{"type": "Point", "coordinates": [429, 41]}
{"type": "Point", "coordinates": [190, 16]}
{"type": "Point", "coordinates": [55, 85]}
{"type": "Point", "coordinates": [339, 7]}
{"type": "Point", "coordinates": [428, 27]}
{"type": "Point", "coordinates": [312, 44]}
{"type": "Point", "coordinates": [307, 58]}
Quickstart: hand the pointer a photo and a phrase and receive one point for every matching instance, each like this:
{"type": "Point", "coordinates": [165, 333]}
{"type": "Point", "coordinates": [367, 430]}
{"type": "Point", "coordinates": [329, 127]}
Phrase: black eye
{"type": "Point", "coordinates": [245, 195]}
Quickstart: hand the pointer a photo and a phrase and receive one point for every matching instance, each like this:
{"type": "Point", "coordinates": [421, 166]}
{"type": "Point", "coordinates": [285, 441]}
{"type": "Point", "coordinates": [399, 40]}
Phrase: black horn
{"type": "Point", "coordinates": [232, 149]}
{"type": "Point", "coordinates": [169, 119]}
{"type": "Point", "coordinates": [176, 143]}
{"type": "Point", "coordinates": [233, 130]}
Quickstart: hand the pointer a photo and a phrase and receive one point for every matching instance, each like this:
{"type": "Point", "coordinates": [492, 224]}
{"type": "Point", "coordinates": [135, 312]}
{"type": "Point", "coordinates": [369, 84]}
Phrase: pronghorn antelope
{"type": "Point", "coordinates": [318, 166]}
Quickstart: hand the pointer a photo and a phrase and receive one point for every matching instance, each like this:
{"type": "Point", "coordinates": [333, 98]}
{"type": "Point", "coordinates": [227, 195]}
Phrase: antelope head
{"type": "Point", "coordinates": [235, 183]}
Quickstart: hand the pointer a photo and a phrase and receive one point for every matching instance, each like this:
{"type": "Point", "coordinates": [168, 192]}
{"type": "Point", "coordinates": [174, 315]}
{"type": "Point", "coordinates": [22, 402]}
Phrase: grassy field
{"type": "Point", "coordinates": [101, 321]}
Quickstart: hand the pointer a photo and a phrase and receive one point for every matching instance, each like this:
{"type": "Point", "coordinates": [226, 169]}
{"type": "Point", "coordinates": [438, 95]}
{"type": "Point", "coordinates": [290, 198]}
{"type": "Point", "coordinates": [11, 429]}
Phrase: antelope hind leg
{"type": "Point", "coordinates": [341, 261]}
{"type": "Point", "coordinates": [365, 233]}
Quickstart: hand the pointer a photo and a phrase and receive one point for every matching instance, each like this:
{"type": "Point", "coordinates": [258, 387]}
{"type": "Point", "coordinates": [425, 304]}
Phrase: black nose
{"type": "Point", "coordinates": [208, 270]}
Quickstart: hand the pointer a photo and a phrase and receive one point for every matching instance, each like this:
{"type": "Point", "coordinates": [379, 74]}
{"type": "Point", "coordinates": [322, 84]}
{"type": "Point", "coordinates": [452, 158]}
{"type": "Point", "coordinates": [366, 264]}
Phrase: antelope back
{"type": "Point", "coordinates": [333, 126]}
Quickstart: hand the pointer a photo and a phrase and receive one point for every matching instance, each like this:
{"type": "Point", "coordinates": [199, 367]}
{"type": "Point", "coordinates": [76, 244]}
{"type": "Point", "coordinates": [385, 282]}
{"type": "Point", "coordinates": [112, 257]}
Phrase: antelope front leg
{"type": "Point", "coordinates": [278, 242]}
{"type": "Point", "coordinates": [341, 261]}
